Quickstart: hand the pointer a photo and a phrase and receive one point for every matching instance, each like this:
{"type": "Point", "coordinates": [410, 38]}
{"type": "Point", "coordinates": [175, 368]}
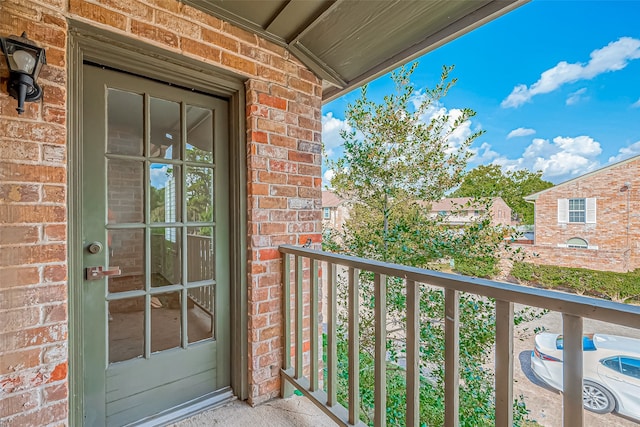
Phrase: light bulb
{"type": "Point", "coordinates": [24, 60]}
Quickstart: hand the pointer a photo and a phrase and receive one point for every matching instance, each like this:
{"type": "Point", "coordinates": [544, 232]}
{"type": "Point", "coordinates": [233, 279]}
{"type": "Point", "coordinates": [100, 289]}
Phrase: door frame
{"type": "Point", "coordinates": [90, 44]}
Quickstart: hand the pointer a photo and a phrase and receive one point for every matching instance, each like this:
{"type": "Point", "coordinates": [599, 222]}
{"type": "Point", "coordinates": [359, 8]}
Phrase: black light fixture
{"type": "Point", "coordinates": [24, 59]}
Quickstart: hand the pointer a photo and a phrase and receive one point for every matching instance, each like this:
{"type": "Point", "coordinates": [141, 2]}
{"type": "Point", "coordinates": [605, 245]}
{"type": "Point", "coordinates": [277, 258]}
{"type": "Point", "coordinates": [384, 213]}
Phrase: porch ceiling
{"type": "Point", "coordinates": [350, 42]}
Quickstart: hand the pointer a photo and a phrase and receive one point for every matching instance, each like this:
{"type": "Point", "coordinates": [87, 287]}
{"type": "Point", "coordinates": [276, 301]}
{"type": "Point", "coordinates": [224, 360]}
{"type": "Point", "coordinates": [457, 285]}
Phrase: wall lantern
{"type": "Point", "coordinates": [24, 59]}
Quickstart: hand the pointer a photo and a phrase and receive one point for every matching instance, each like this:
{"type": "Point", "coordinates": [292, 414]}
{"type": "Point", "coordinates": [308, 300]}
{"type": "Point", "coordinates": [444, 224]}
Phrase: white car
{"type": "Point", "coordinates": [611, 371]}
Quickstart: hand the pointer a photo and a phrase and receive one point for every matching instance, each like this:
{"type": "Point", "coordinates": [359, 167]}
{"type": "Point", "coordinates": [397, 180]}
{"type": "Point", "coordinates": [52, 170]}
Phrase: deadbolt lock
{"type": "Point", "coordinates": [95, 248]}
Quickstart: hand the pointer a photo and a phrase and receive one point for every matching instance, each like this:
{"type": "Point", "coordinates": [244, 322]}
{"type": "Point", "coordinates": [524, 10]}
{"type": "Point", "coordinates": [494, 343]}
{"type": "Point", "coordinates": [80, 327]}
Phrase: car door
{"type": "Point", "coordinates": [621, 374]}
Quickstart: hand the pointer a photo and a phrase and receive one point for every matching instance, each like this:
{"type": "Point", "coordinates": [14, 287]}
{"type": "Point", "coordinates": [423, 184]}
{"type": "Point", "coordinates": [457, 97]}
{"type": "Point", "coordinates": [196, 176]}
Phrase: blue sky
{"type": "Point", "coordinates": [555, 85]}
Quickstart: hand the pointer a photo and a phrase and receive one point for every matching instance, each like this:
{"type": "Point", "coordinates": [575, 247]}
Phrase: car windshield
{"type": "Point", "coordinates": [587, 343]}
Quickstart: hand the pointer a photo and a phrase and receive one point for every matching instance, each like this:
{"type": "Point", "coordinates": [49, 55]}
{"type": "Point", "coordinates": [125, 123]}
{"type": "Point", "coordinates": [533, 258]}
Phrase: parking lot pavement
{"type": "Point", "coordinates": [544, 402]}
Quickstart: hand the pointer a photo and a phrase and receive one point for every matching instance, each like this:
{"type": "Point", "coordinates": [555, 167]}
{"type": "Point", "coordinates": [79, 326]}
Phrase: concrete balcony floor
{"type": "Point", "coordinates": [296, 411]}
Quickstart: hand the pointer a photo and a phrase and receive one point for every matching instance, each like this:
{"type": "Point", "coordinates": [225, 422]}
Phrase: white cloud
{"type": "Point", "coordinates": [613, 57]}
{"type": "Point", "coordinates": [326, 178]}
{"type": "Point", "coordinates": [636, 104]}
{"type": "Point", "coordinates": [626, 152]}
{"type": "Point", "coordinates": [560, 159]}
{"type": "Point", "coordinates": [331, 128]}
{"type": "Point", "coordinates": [576, 96]}
{"type": "Point", "coordinates": [521, 132]}
{"type": "Point", "coordinates": [483, 155]}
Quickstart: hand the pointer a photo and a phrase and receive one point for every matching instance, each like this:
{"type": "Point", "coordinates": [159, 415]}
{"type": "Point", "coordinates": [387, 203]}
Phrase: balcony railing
{"type": "Point", "coordinates": [574, 309]}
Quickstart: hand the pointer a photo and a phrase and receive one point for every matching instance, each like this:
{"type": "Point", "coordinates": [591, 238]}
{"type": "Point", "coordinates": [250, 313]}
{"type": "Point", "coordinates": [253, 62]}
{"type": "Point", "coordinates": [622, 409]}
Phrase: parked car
{"type": "Point", "coordinates": [611, 378]}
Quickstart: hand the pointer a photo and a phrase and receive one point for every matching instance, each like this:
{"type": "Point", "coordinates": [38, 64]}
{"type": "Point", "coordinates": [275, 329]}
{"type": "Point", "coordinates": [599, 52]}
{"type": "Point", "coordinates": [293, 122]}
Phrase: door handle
{"type": "Point", "coordinates": [97, 273]}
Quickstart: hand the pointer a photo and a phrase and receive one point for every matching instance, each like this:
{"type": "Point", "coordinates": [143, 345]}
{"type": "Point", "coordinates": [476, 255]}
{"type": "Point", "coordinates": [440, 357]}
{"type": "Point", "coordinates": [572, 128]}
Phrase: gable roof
{"type": "Point", "coordinates": [533, 197]}
{"type": "Point", "coordinates": [331, 200]}
{"type": "Point", "coordinates": [348, 43]}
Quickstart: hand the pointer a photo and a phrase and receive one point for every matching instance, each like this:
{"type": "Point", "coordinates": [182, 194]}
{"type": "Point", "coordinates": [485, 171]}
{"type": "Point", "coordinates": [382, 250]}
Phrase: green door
{"type": "Point", "coordinates": [155, 236]}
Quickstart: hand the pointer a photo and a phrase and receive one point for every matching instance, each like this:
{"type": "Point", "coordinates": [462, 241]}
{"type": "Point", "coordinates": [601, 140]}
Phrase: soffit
{"type": "Point", "coordinates": [350, 42]}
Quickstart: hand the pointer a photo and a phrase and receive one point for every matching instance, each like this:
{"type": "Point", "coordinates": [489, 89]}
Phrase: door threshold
{"type": "Point", "coordinates": [187, 409]}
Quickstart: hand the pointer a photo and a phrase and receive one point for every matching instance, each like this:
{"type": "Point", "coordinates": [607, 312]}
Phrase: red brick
{"type": "Point", "coordinates": [14, 193]}
{"type": "Point", "coordinates": [135, 9]}
{"type": "Point", "coordinates": [272, 177]}
{"type": "Point", "coordinates": [153, 33]}
{"type": "Point", "coordinates": [33, 337]}
{"type": "Point", "coordinates": [55, 392]}
{"type": "Point", "coordinates": [199, 16]}
{"type": "Point", "coordinates": [273, 228]}
{"type": "Point", "coordinates": [13, 298]}
{"type": "Point", "coordinates": [18, 276]}
{"type": "Point", "coordinates": [18, 360]}
{"type": "Point", "coordinates": [14, 320]}
{"type": "Point", "coordinates": [283, 141]}
{"type": "Point", "coordinates": [38, 132]}
{"type": "Point", "coordinates": [267, 254]}
{"type": "Point", "coordinates": [301, 85]}
{"type": "Point", "coordinates": [97, 14]}
{"type": "Point", "coordinates": [238, 63]}
{"type": "Point", "coordinates": [297, 156]}
{"type": "Point", "coordinates": [272, 101]}
{"type": "Point", "coordinates": [181, 26]}
{"type": "Point", "coordinates": [259, 137]}
{"type": "Point", "coordinates": [282, 166]}
{"type": "Point", "coordinates": [258, 189]}
{"type": "Point", "coordinates": [15, 235]}
{"type": "Point", "coordinates": [240, 33]}
{"type": "Point", "coordinates": [220, 40]}
{"type": "Point", "coordinates": [44, 416]}
{"type": "Point", "coordinates": [272, 203]}
{"type": "Point", "coordinates": [53, 194]}
{"type": "Point", "coordinates": [21, 402]}
{"type": "Point", "coordinates": [272, 75]}
{"type": "Point", "coordinates": [32, 173]}
{"type": "Point", "coordinates": [202, 50]}
{"type": "Point", "coordinates": [55, 233]}
{"type": "Point", "coordinates": [16, 214]}
{"type": "Point", "coordinates": [55, 313]}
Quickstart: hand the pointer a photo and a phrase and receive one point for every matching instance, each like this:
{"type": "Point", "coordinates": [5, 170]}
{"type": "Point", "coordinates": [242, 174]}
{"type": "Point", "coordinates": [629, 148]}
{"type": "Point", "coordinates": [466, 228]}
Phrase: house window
{"type": "Point", "coordinates": [582, 210]}
{"type": "Point", "coordinates": [577, 210]}
{"type": "Point", "coordinates": [327, 213]}
{"type": "Point", "coordinates": [577, 242]}
{"type": "Point", "coordinates": [442, 213]}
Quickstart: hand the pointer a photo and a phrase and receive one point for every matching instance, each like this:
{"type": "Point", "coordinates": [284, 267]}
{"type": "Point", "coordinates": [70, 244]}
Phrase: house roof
{"type": "Point", "coordinates": [348, 43]}
{"type": "Point", "coordinates": [331, 200]}
{"type": "Point", "coordinates": [533, 197]}
{"type": "Point", "coordinates": [455, 203]}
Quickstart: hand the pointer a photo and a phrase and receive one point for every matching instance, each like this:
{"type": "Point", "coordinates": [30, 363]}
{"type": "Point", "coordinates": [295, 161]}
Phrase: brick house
{"type": "Point", "coordinates": [459, 211]}
{"type": "Point", "coordinates": [335, 211]}
{"type": "Point", "coordinates": [591, 221]}
{"type": "Point", "coordinates": [143, 199]}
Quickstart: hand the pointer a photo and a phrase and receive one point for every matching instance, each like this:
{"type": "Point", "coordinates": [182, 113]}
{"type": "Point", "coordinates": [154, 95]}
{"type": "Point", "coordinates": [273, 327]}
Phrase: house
{"type": "Point", "coordinates": [591, 221]}
{"type": "Point", "coordinates": [459, 211]}
{"type": "Point", "coordinates": [144, 196]}
{"type": "Point", "coordinates": [335, 211]}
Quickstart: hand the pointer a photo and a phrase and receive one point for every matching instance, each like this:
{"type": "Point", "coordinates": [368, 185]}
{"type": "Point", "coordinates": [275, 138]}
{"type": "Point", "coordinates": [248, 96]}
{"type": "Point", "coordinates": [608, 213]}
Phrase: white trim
{"type": "Point", "coordinates": [563, 211]}
{"type": "Point", "coordinates": [590, 210]}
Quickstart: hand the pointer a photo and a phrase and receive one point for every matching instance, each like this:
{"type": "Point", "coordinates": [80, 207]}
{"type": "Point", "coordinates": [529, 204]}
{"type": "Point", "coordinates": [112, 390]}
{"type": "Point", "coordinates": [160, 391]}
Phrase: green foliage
{"type": "Point", "coordinates": [486, 266]}
{"type": "Point", "coordinates": [394, 166]}
{"type": "Point", "coordinates": [621, 287]}
{"type": "Point", "coordinates": [512, 186]}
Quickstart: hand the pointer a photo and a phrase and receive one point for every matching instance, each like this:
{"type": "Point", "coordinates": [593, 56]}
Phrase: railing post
{"type": "Point", "coordinates": [380, 388]}
{"type": "Point", "coordinates": [314, 326]}
{"type": "Point", "coordinates": [354, 346]}
{"type": "Point", "coordinates": [413, 359]}
{"type": "Point", "coordinates": [451, 358]}
{"type": "Point", "coordinates": [286, 388]}
{"type": "Point", "coordinates": [299, 371]}
{"type": "Point", "coordinates": [504, 364]}
{"type": "Point", "coordinates": [572, 414]}
{"type": "Point", "coordinates": [332, 345]}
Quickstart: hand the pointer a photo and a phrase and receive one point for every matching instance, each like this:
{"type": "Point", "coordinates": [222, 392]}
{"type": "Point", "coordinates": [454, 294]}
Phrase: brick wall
{"type": "Point", "coordinates": [616, 233]}
{"type": "Point", "coordinates": [283, 153]}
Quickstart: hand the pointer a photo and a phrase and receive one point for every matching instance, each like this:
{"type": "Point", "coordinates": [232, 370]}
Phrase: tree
{"type": "Point", "coordinates": [399, 156]}
{"type": "Point", "coordinates": [512, 186]}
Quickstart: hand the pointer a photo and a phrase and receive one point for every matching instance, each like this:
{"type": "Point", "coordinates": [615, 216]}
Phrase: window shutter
{"type": "Point", "coordinates": [563, 210]}
{"type": "Point", "coordinates": [591, 211]}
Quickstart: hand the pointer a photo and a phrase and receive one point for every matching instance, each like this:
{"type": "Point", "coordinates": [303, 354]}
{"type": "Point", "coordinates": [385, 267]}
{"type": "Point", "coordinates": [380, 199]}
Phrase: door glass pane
{"type": "Point", "coordinates": [165, 129]}
{"type": "Point", "coordinates": [199, 194]}
{"type": "Point", "coordinates": [126, 329]}
{"type": "Point", "coordinates": [126, 250]}
{"type": "Point", "coordinates": [164, 193]}
{"type": "Point", "coordinates": [199, 134]}
{"type": "Point", "coordinates": [201, 313]}
{"type": "Point", "coordinates": [165, 321]}
{"type": "Point", "coordinates": [125, 123]}
{"type": "Point", "coordinates": [200, 254]}
{"type": "Point", "coordinates": [166, 244]}
{"type": "Point", "coordinates": [125, 194]}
